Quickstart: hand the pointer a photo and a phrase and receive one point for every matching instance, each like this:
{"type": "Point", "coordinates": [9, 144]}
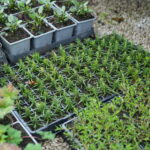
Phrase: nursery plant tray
{"type": "Point", "coordinates": [52, 126]}
{"type": "Point", "coordinates": [13, 59]}
{"type": "Point", "coordinates": [73, 140]}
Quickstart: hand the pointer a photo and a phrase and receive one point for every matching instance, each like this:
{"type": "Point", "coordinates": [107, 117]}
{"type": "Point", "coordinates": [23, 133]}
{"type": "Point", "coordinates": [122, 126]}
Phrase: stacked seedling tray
{"type": "Point", "coordinates": [39, 26]}
{"type": "Point", "coordinates": [3, 58]}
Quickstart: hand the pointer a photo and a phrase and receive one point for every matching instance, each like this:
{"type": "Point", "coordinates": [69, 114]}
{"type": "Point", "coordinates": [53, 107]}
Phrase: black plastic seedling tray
{"type": "Point", "coordinates": [16, 124]}
{"type": "Point", "coordinates": [52, 126]}
{"type": "Point", "coordinates": [14, 59]}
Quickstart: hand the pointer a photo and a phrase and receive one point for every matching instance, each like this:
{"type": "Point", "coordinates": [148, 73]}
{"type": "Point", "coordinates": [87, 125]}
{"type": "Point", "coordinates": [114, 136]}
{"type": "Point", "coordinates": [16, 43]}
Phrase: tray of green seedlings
{"type": "Point", "coordinates": [67, 128]}
{"type": "Point", "coordinates": [56, 85]}
{"type": "Point", "coordinates": [106, 127]}
{"type": "Point", "coordinates": [123, 123]}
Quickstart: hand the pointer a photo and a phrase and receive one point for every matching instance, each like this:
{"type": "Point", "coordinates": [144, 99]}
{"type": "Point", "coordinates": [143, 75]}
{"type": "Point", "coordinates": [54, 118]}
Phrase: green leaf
{"type": "Point", "coordinates": [9, 135]}
{"type": "Point", "coordinates": [40, 10]}
{"type": "Point", "coordinates": [33, 147]}
{"type": "Point", "coordinates": [46, 135]}
{"type": "Point", "coordinates": [7, 97]}
{"type": "Point", "coordinates": [14, 136]}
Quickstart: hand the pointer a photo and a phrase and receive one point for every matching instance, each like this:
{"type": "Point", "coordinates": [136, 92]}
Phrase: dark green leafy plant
{"type": "Point", "coordinates": [11, 6]}
{"type": "Point", "coordinates": [9, 135]}
{"type": "Point", "coordinates": [11, 3]}
{"type": "Point", "coordinates": [37, 20]}
{"type": "Point", "coordinates": [3, 16]}
{"type": "Point", "coordinates": [24, 6]}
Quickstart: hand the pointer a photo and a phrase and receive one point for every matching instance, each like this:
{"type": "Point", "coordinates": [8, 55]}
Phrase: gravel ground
{"type": "Point", "coordinates": [57, 144]}
{"type": "Point", "coordinates": [125, 17]}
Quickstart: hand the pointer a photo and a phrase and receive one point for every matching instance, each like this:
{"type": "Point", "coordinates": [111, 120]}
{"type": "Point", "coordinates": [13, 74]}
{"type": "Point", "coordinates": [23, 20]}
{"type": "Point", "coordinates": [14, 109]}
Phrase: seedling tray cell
{"type": "Point", "coordinates": [52, 126]}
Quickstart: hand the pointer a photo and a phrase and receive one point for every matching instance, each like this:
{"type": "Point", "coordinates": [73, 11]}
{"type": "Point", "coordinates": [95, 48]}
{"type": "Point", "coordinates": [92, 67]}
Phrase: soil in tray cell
{"type": "Point", "coordinates": [16, 36]}
{"type": "Point", "coordinates": [60, 25]}
{"type": "Point", "coordinates": [11, 11]}
{"type": "Point", "coordinates": [1, 26]}
{"type": "Point", "coordinates": [39, 30]}
{"type": "Point", "coordinates": [24, 17]}
{"type": "Point", "coordinates": [82, 18]}
{"type": "Point", "coordinates": [9, 119]}
{"type": "Point", "coordinates": [35, 3]}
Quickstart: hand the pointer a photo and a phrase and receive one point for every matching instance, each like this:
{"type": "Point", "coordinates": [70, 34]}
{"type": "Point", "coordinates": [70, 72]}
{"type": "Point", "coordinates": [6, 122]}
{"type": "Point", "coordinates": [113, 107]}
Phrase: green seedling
{"type": "Point", "coordinates": [47, 6]}
{"type": "Point", "coordinates": [12, 24]}
{"type": "Point", "coordinates": [61, 15]}
{"type": "Point", "coordinates": [80, 8]}
{"type": "Point", "coordinates": [3, 16]}
{"type": "Point", "coordinates": [38, 19]}
{"type": "Point", "coordinates": [24, 6]}
{"type": "Point", "coordinates": [7, 96]}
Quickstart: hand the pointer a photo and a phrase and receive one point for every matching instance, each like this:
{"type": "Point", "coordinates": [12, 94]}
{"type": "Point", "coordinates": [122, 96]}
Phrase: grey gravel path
{"type": "Point", "coordinates": [57, 144]}
{"type": "Point", "coordinates": [124, 17]}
